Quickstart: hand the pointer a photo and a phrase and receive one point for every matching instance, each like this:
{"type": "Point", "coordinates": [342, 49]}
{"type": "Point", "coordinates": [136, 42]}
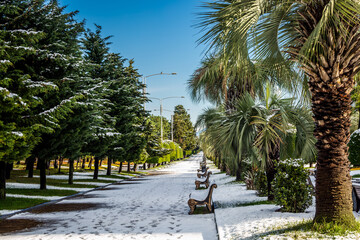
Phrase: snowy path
{"type": "Point", "coordinates": [153, 207]}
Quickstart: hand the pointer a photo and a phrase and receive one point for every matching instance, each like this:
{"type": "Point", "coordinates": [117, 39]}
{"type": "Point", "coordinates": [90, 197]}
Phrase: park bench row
{"type": "Point", "coordinates": [203, 175]}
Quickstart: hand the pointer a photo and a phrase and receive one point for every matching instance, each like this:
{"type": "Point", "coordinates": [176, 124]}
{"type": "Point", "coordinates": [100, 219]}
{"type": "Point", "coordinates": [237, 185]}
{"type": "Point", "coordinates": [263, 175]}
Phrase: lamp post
{"type": "Point", "coordinates": [151, 75]}
{"type": "Point", "coordinates": [161, 111]}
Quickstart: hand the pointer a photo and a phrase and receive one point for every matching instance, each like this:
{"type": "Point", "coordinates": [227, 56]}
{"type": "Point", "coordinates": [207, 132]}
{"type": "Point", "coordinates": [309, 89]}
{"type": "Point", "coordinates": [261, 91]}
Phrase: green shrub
{"type": "Point", "coordinates": [291, 190]}
{"type": "Point", "coordinates": [261, 183]}
{"type": "Point", "coordinates": [354, 148]}
{"type": "Point", "coordinates": [188, 152]}
{"type": "Point", "coordinates": [173, 153]}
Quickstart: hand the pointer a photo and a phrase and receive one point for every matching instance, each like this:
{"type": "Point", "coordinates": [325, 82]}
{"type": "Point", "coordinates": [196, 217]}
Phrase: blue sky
{"type": "Point", "coordinates": [159, 35]}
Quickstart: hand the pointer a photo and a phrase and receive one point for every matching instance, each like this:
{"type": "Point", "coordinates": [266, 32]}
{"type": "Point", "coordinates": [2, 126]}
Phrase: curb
{"type": "Point", "coordinates": [216, 225]}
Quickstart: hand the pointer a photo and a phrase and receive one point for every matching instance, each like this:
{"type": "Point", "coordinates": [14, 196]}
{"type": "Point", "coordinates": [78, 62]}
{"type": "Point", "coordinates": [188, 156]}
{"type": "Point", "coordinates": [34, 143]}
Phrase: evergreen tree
{"type": "Point", "coordinates": [184, 131]}
{"type": "Point", "coordinates": [20, 93]}
{"type": "Point", "coordinates": [56, 63]}
{"type": "Point", "coordinates": [103, 124]}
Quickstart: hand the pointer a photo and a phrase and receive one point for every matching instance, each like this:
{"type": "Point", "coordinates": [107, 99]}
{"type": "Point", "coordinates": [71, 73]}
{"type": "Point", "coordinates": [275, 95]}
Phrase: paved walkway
{"type": "Point", "coordinates": [153, 207]}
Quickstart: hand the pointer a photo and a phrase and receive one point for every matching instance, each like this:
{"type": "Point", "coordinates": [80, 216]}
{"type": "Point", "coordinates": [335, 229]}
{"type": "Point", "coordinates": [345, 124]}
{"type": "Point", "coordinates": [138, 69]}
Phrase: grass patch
{"type": "Point", "coordinates": [242, 204]}
{"type": "Point", "coordinates": [11, 203]}
{"type": "Point", "coordinates": [356, 176]}
{"type": "Point", "coordinates": [219, 173]}
{"type": "Point", "coordinates": [38, 192]}
{"type": "Point", "coordinates": [323, 230]}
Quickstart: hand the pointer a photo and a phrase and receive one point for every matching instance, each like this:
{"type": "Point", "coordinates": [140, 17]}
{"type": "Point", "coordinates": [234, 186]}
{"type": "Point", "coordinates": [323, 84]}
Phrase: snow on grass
{"type": "Point", "coordinates": [257, 221]}
{"type": "Point", "coordinates": [35, 197]}
{"type": "Point", "coordinates": [37, 186]}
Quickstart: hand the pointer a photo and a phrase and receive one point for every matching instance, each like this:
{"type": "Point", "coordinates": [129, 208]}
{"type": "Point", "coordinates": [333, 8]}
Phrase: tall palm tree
{"type": "Point", "coordinates": [322, 37]}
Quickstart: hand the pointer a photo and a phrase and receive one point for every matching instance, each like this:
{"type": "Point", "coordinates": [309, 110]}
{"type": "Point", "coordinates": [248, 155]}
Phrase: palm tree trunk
{"type": "Point", "coordinates": [270, 176]}
{"type": "Point", "coordinates": [331, 80]}
{"type": "Point", "coordinates": [239, 172]}
{"type": "Point", "coordinates": [333, 181]}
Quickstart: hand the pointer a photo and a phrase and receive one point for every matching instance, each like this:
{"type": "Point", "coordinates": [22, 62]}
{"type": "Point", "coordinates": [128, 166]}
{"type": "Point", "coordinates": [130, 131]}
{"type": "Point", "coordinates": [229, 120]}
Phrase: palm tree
{"type": "Point", "coordinates": [264, 129]}
{"type": "Point", "coordinates": [322, 38]}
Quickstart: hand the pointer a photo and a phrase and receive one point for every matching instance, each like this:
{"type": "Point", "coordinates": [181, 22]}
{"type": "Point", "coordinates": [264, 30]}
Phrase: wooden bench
{"type": "Point", "coordinates": [206, 182]}
{"type": "Point", "coordinates": [200, 175]}
{"type": "Point", "coordinates": [207, 202]}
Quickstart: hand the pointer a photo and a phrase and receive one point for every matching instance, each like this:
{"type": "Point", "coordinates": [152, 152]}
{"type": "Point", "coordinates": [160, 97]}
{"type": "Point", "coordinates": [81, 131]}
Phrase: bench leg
{"type": "Point", "coordinates": [192, 206]}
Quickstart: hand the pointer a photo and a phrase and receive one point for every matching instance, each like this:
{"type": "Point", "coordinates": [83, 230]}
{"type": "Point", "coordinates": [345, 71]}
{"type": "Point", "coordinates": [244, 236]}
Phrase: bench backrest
{"type": "Point", "coordinates": [208, 176]}
{"type": "Point", "coordinates": [209, 196]}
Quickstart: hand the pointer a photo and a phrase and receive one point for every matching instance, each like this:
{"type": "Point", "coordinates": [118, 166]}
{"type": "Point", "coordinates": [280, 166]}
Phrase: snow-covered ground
{"type": "Point", "coordinates": [258, 221]}
{"type": "Point", "coordinates": [153, 207]}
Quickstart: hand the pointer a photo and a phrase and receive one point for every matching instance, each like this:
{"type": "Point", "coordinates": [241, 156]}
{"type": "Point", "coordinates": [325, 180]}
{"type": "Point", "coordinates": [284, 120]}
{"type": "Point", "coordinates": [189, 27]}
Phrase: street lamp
{"type": "Point", "coordinates": [151, 75]}
{"type": "Point", "coordinates": [161, 110]}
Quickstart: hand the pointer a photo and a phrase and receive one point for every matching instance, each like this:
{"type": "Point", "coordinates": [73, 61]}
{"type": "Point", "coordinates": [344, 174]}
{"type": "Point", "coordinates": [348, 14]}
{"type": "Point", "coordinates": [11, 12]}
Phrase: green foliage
{"type": "Point", "coordinates": [261, 183]}
{"type": "Point", "coordinates": [291, 190]}
{"type": "Point", "coordinates": [184, 131]}
{"type": "Point", "coordinates": [354, 148]}
{"type": "Point", "coordinates": [188, 152]}
{"type": "Point", "coordinates": [173, 154]}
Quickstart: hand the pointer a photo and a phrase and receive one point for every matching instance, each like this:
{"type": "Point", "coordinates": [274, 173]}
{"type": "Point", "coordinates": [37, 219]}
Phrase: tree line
{"type": "Point", "coordinates": [63, 93]}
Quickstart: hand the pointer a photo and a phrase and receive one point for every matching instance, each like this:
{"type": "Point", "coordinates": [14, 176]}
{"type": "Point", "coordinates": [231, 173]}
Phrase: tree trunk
{"type": "Point", "coordinates": [60, 163]}
{"type": "Point", "coordinates": [239, 172]}
{"type": "Point", "coordinates": [120, 167]}
{"type": "Point", "coordinates": [108, 170]}
{"type": "Point", "coordinates": [56, 163]}
{"type": "Point", "coordinates": [129, 168]}
{"type": "Point", "coordinates": [96, 165]}
{"type": "Point", "coordinates": [2, 180]}
{"type": "Point", "coordinates": [71, 171]}
{"type": "Point", "coordinates": [270, 175]}
{"type": "Point", "coordinates": [42, 166]}
{"type": "Point", "coordinates": [30, 166]}
{"type": "Point", "coordinates": [333, 181]}
{"type": "Point", "coordinates": [9, 168]}
{"type": "Point", "coordinates": [135, 167]}
{"type": "Point", "coordinates": [359, 119]}
{"type": "Point", "coordinates": [100, 164]}
{"type": "Point", "coordinates": [83, 163]}
{"type": "Point", "coordinates": [331, 81]}
{"type": "Point", "coordinates": [144, 166]}
{"type": "Point", "coordinates": [90, 162]}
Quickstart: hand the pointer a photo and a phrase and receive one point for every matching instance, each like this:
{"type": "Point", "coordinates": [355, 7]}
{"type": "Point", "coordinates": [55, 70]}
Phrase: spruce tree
{"type": "Point", "coordinates": [184, 131]}
{"type": "Point", "coordinates": [56, 60]}
{"type": "Point", "coordinates": [19, 93]}
{"type": "Point", "coordinates": [103, 131]}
